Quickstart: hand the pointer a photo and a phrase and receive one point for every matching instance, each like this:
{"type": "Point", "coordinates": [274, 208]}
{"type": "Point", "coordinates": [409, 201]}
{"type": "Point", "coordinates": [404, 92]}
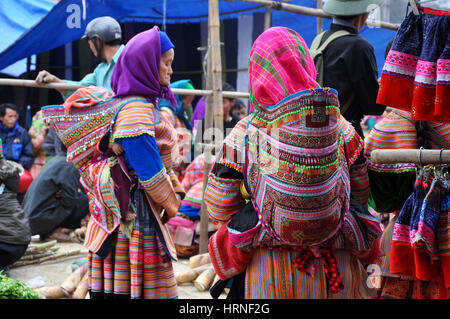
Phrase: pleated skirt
{"type": "Point", "coordinates": [136, 268]}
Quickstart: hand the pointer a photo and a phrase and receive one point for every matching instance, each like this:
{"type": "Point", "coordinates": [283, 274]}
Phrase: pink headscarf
{"type": "Point", "coordinates": [279, 65]}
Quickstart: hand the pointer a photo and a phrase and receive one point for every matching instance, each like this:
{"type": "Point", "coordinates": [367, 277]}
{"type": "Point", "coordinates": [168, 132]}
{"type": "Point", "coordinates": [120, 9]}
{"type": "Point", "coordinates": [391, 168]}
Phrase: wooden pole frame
{"type": "Point", "coordinates": [319, 19]}
{"type": "Point", "coordinates": [413, 156]}
{"type": "Point", "coordinates": [66, 86]}
{"type": "Point", "coordinates": [268, 18]}
{"type": "Point", "coordinates": [316, 12]}
{"type": "Point", "coordinates": [214, 109]}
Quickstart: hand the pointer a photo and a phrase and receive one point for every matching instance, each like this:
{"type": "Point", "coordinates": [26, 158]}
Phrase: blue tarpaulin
{"type": "Point", "coordinates": [16, 17]}
{"type": "Point", "coordinates": [66, 21]}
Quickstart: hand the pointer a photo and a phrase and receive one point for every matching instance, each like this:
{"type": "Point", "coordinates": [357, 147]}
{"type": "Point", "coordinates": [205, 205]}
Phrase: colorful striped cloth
{"type": "Point", "coordinates": [414, 251]}
{"type": "Point", "coordinates": [133, 120]}
{"type": "Point", "coordinates": [397, 131]}
{"type": "Point", "coordinates": [184, 136]}
{"type": "Point", "coordinates": [83, 121]}
{"type": "Point", "coordinates": [136, 119]}
{"type": "Point", "coordinates": [443, 238]}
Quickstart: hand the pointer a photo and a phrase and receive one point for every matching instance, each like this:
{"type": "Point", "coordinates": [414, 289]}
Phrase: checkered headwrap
{"type": "Point", "coordinates": [279, 65]}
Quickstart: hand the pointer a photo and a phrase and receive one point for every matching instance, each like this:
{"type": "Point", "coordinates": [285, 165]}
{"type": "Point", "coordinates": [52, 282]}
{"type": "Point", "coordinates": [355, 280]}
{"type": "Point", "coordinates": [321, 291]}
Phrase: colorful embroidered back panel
{"type": "Point", "coordinates": [296, 168]}
{"type": "Point", "coordinates": [82, 126]}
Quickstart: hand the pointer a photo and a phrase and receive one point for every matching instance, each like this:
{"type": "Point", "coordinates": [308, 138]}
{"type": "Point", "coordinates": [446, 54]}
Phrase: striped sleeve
{"type": "Point", "coordinates": [359, 182]}
{"type": "Point", "coordinates": [134, 130]}
{"type": "Point", "coordinates": [178, 188]}
{"type": "Point", "coordinates": [231, 154]}
{"type": "Point", "coordinates": [354, 142]}
{"type": "Point", "coordinates": [134, 119]}
{"type": "Point", "coordinates": [167, 139]}
{"type": "Point", "coordinates": [223, 196]}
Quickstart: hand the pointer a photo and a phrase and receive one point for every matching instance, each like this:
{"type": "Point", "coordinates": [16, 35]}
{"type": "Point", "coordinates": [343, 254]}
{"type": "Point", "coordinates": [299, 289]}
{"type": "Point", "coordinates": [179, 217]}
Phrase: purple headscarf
{"type": "Point", "coordinates": [199, 111]}
{"type": "Point", "coordinates": [137, 69]}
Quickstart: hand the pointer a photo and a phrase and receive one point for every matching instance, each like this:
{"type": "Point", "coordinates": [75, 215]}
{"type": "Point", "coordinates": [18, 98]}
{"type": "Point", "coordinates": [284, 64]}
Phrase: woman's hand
{"type": "Point", "coordinates": [116, 148]}
{"type": "Point", "coordinates": [164, 217]}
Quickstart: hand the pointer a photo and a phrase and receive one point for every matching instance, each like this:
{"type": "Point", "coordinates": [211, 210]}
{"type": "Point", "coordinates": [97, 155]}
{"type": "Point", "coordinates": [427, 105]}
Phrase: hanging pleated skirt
{"type": "Point", "coordinates": [136, 268]}
{"type": "Point", "coordinates": [416, 73]}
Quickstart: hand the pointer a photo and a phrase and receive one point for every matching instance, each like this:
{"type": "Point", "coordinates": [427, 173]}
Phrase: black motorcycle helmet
{"type": "Point", "coordinates": [106, 29]}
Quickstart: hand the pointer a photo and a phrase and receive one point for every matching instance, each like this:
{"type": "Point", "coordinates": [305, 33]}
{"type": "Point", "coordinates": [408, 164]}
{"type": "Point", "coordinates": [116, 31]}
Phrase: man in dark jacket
{"type": "Point", "coordinates": [52, 145]}
{"type": "Point", "coordinates": [349, 63]}
{"type": "Point", "coordinates": [14, 225]}
{"type": "Point", "coordinates": [54, 199]}
{"type": "Point", "coordinates": [17, 144]}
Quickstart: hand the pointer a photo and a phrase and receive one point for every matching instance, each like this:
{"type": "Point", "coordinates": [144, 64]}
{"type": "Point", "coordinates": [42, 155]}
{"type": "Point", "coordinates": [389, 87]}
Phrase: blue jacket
{"type": "Point", "coordinates": [17, 145]}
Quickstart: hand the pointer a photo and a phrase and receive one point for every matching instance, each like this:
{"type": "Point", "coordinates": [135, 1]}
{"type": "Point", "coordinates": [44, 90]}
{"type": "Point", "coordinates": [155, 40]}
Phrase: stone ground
{"type": "Point", "coordinates": [55, 272]}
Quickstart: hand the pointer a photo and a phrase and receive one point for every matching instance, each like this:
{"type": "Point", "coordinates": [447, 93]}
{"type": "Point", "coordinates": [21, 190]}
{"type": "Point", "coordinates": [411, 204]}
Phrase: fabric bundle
{"type": "Point", "coordinates": [82, 121]}
{"type": "Point", "coordinates": [417, 67]}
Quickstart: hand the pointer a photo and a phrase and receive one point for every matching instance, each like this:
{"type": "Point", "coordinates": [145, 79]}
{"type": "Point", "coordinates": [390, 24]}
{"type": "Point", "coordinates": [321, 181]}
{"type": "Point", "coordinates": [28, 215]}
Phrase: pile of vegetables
{"type": "Point", "coordinates": [10, 289]}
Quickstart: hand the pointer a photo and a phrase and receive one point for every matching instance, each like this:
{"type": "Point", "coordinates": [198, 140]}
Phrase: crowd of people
{"type": "Point", "coordinates": [296, 207]}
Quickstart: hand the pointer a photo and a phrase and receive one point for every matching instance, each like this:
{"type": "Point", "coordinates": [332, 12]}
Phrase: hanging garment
{"type": "Point", "coordinates": [417, 67]}
{"type": "Point", "coordinates": [443, 238]}
{"type": "Point", "coordinates": [414, 251]}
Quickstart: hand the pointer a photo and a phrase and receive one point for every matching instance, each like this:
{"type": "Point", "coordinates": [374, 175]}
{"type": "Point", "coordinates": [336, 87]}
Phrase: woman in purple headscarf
{"type": "Point", "coordinates": [136, 263]}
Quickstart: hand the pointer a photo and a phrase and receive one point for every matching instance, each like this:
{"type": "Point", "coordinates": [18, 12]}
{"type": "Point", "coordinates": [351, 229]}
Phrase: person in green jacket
{"type": "Point", "coordinates": [104, 36]}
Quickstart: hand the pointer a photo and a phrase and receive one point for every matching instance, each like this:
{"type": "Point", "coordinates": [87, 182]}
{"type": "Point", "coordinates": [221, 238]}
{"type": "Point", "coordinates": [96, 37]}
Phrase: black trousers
{"type": "Point", "coordinates": [10, 253]}
{"type": "Point", "coordinates": [80, 210]}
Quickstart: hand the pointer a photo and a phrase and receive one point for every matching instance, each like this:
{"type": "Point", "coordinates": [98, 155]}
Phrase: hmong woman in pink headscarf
{"type": "Point", "coordinates": [290, 187]}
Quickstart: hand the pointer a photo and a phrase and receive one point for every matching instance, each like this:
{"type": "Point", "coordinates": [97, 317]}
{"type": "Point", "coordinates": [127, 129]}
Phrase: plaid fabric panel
{"type": "Point", "coordinates": [279, 65]}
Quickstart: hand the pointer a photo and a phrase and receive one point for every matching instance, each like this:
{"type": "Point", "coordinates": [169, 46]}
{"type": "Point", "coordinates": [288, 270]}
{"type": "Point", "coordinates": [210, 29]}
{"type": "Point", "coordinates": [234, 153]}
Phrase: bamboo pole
{"type": "Point", "coordinates": [319, 19]}
{"type": "Point", "coordinates": [410, 156]}
{"type": "Point", "coordinates": [46, 258]}
{"type": "Point", "coordinates": [32, 83]}
{"type": "Point", "coordinates": [214, 104]}
{"type": "Point", "coordinates": [268, 18]}
{"type": "Point", "coordinates": [215, 70]}
{"type": "Point", "coordinates": [316, 12]}
{"type": "Point", "coordinates": [39, 248]}
{"type": "Point", "coordinates": [199, 260]}
{"type": "Point", "coordinates": [190, 275]}
{"type": "Point", "coordinates": [36, 256]}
